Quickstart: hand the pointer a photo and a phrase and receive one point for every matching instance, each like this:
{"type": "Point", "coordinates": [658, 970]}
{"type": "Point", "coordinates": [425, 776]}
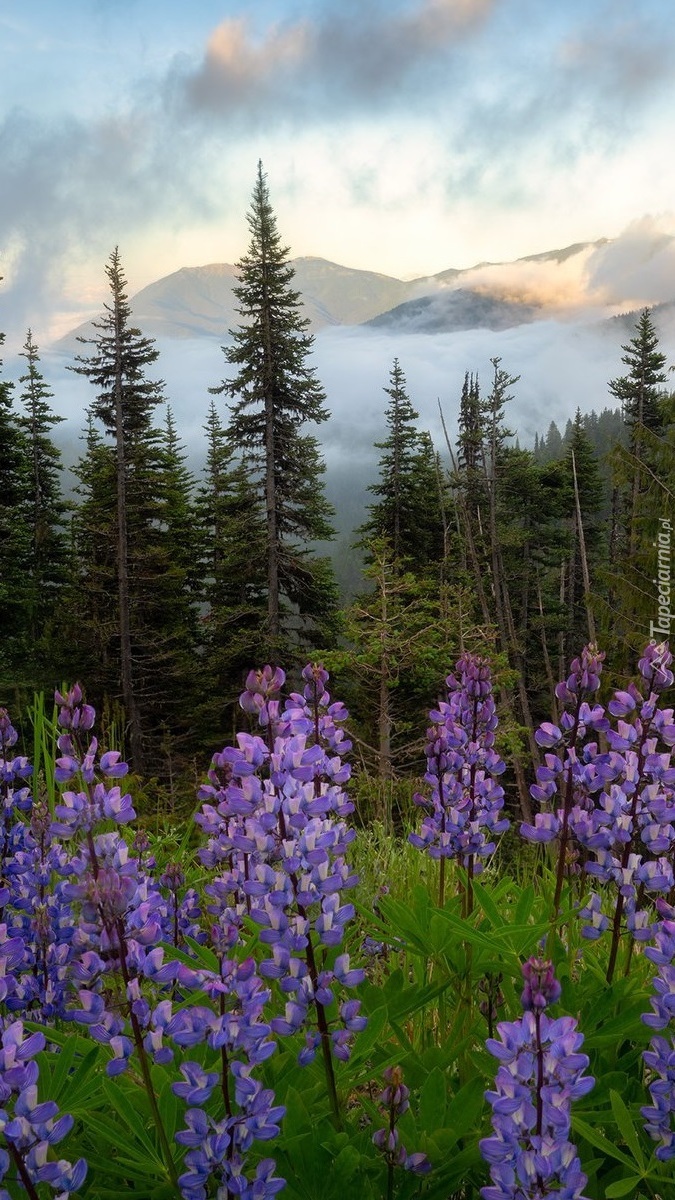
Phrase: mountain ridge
{"type": "Point", "coordinates": [196, 302]}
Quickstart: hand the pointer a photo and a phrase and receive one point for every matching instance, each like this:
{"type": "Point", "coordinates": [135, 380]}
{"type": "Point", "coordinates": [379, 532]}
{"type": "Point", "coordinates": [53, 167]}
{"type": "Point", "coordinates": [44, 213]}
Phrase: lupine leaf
{"type": "Point", "coordinates": [432, 1101]}
{"type": "Point", "coordinates": [623, 1187]}
{"type": "Point", "coordinates": [600, 1142]}
{"type": "Point", "coordinates": [627, 1128]}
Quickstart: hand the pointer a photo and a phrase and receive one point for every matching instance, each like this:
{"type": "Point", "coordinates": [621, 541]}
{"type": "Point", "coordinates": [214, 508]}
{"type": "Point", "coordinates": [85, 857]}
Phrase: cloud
{"type": "Point", "coordinates": [329, 63]}
{"type": "Point", "coordinates": [637, 268]}
{"type": "Point", "coordinates": [561, 366]}
{"type": "Point", "coordinates": [397, 132]}
{"type": "Point", "coordinates": [72, 189]}
{"type": "Point", "coordinates": [623, 58]}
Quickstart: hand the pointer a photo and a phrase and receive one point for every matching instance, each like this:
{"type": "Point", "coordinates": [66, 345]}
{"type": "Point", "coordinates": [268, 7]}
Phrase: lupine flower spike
{"type": "Point", "coordinates": [618, 804]}
{"type": "Point", "coordinates": [463, 814]}
{"type": "Point", "coordinates": [541, 1071]}
{"type": "Point", "coordinates": [395, 1102]}
{"type": "Point", "coordinates": [660, 1058]}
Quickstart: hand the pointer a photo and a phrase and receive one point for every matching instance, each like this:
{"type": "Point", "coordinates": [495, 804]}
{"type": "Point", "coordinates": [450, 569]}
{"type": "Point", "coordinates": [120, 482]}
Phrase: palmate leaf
{"type": "Point", "coordinates": [74, 1076]}
{"type": "Point", "coordinates": [432, 1101]}
{"type": "Point", "coordinates": [627, 1128]}
{"type": "Point", "coordinates": [623, 1187]}
{"type": "Point", "coordinates": [133, 1135]}
{"type": "Point", "coordinates": [598, 1139]}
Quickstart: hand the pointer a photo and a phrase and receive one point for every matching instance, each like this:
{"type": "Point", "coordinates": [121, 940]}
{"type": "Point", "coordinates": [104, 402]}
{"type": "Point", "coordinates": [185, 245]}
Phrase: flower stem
{"type": "Point", "coordinates": [23, 1171]}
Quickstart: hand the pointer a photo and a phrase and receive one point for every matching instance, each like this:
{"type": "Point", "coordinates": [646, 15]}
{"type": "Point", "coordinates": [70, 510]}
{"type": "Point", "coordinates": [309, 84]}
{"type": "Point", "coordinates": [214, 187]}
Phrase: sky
{"type": "Point", "coordinates": [401, 136]}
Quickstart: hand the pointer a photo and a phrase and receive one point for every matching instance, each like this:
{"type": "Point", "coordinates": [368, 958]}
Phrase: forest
{"type": "Point", "coordinates": [161, 591]}
{"type": "Point", "coordinates": [192, 992]}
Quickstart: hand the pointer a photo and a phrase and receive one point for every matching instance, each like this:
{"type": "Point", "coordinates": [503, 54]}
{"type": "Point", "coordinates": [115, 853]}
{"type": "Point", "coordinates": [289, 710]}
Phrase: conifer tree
{"type": "Point", "coordinates": [169, 594]}
{"type": "Point", "coordinates": [124, 404]}
{"type": "Point", "coordinates": [90, 617]}
{"type": "Point", "coordinates": [641, 390]}
{"type": "Point", "coordinates": [15, 541]}
{"type": "Point", "coordinates": [639, 467]}
{"type": "Point", "coordinates": [46, 510]}
{"type": "Point", "coordinates": [407, 511]}
{"type": "Point", "coordinates": [276, 394]}
{"type": "Point", "coordinates": [232, 536]}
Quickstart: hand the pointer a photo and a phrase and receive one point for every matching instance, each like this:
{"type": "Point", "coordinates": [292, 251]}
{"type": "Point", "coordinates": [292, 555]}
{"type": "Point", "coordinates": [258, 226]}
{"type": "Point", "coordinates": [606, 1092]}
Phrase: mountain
{"type": "Point", "coordinates": [197, 302]}
{"type": "Point", "coordinates": [446, 311]}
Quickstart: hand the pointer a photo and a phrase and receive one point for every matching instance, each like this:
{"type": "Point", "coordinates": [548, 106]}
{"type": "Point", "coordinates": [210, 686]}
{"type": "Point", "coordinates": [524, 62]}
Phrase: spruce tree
{"type": "Point", "coordinates": [407, 511]}
{"type": "Point", "coordinates": [47, 565]}
{"type": "Point", "coordinates": [124, 404]}
{"type": "Point", "coordinates": [640, 390]}
{"type": "Point", "coordinates": [15, 542]}
{"type": "Point", "coordinates": [639, 468]}
{"type": "Point", "coordinates": [167, 596]}
{"type": "Point", "coordinates": [470, 475]}
{"type": "Point", "coordinates": [276, 394]}
{"type": "Point", "coordinates": [90, 614]}
{"type": "Point", "coordinates": [232, 536]}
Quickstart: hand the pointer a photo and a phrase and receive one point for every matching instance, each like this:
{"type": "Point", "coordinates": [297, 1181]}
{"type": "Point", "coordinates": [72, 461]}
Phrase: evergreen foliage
{"type": "Point", "coordinates": [133, 495]}
{"type": "Point", "coordinates": [46, 569]}
{"type": "Point", "coordinates": [276, 394]}
{"type": "Point", "coordinates": [640, 389]}
{"type": "Point", "coordinates": [406, 512]}
{"type": "Point", "coordinates": [90, 618]}
{"type": "Point", "coordinates": [232, 538]}
{"type": "Point", "coordinates": [15, 540]}
{"type": "Point", "coordinates": [641, 467]}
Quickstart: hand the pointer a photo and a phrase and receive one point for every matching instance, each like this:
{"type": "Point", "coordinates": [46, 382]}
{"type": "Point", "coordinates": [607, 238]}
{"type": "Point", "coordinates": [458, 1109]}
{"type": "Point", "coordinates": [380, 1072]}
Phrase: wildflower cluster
{"type": "Point", "coordinates": [274, 814]}
{"type": "Point", "coordinates": [30, 1128]}
{"type": "Point", "coordinates": [463, 814]}
{"type": "Point", "coordinates": [660, 1058]}
{"type": "Point", "coordinates": [87, 924]}
{"type": "Point", "coordinates": [541, 1071]}
{"type": "Point", "coordinates": [394, 1099]}
{"type": "Point", "coordinates": [618, 804]}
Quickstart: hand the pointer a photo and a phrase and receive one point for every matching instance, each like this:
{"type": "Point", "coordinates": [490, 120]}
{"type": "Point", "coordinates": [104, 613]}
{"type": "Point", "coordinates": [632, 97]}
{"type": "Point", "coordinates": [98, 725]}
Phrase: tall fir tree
{"type": "Point", "coordinates": [232, 536]}
{"type": "Point", "coordinates": [638, 498]}
{"type": "Point", "coordinates": [125, 403]}
{"type": "Point", "coordinates": [47, 512]}
{"type": "Point", "coordinates": [89, 618]}
{"type": "Point", "coordinates": [15, 543]}
{"type": "Point", "coordinates": [171, 684]}
{"type": "Point", "coordinates": [640, 390]}
{"type": "Point", "coordinates": [276, 394]}
{"type": "Point", "coordinates": [407, 511]}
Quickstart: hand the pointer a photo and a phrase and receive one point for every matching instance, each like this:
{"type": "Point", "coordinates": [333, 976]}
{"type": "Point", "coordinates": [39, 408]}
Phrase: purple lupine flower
{"type": "Point", "coordinates": [615, 808]}
{"type": "Point", "coordinates": [394, 1100]}
{"type": "Point", "coordinates": [541, 1071]}
{"type": "Point", "coordinates": [30, 1128]}
{"type": "Point", "coordinates": [660, 1058]}
{"type": "Point", "coordinates": [463, 815]}
{"type": "Point", "coordinates": [274, 815]}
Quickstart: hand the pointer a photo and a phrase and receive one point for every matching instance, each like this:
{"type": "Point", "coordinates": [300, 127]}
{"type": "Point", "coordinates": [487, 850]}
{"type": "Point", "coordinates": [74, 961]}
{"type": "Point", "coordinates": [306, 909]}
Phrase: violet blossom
{"type": "Point", "coordinates": [274, 815]}
{"type": "Point", "coordinates": [463, 814]}
{"type": "Point", "coordinates": [541, 1071]}
{"type": "Point", "coordinates": [660, 1058]}
{"type": "Point", "coordinates": [614, 807]}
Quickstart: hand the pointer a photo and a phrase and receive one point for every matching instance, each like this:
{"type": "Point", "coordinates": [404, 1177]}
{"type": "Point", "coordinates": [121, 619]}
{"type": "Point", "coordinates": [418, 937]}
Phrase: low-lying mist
{"type": "Point", "coordinates": [562, 367]}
